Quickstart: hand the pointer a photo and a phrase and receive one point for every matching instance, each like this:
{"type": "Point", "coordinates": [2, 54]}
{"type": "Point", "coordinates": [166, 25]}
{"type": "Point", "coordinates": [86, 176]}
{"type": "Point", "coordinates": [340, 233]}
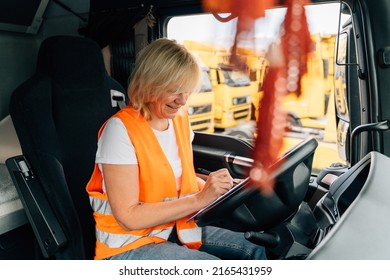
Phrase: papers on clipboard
{"type": "Point", "coordinates": [220, 199]}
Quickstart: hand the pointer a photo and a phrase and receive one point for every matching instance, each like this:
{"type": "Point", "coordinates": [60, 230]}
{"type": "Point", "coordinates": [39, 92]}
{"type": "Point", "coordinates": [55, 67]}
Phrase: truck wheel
{"type": "Point", "coordinates": [293, 120]}
{"type": "Point", "coordinates": [245, 131]}
{"type": "Point", "coordinates": [241, 135]}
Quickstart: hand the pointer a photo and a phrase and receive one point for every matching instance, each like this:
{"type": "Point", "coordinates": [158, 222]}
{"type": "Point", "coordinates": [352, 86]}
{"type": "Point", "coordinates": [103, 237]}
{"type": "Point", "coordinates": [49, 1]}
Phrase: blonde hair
{"type": "Point", "coordinates": [162, 67]}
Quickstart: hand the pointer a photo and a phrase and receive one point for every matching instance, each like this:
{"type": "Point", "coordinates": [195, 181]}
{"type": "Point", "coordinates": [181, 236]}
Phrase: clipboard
{"type": "Point", "coordinates": [229, 193]}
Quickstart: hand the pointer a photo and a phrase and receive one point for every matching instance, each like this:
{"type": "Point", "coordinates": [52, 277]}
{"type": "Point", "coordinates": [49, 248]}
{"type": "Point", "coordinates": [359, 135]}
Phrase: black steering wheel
{"type": "Point", "coordinates": [246, 208]}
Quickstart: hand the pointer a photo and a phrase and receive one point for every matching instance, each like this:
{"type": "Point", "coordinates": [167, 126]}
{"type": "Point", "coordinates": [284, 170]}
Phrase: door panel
{"type": "Point", "coordinates": [215, 151]}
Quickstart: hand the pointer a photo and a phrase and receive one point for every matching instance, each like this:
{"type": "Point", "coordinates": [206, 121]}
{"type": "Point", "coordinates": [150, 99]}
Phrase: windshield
{"type": "Point", "coordinates": [235, 78]}
{"type": "Point", "coordinates": [206, 83]}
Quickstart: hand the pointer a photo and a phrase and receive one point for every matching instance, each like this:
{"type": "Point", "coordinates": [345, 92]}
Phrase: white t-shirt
{"type": "Point", "coordinates": [115, 147]}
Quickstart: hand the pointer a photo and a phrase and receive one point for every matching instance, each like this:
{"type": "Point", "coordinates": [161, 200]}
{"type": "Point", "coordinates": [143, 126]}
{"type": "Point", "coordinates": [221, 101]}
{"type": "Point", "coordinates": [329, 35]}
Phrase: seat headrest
{"type": "Point", "coordinates": [72, 62]}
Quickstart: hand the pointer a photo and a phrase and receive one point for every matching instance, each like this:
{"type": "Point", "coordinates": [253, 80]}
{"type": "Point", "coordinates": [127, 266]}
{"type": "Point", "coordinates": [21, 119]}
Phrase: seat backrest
{"type": "Point", "coordinates": [122, 60]}
{"type": "Point", "coordinates": [57, 114]}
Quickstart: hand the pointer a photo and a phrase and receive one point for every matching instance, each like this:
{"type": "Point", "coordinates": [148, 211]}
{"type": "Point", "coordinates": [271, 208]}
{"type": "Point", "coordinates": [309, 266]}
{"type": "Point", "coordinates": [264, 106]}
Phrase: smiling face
{"type": "Point", "coordinates": [164, 75]}
{"type": "Point", "coordinates": [168, 106]}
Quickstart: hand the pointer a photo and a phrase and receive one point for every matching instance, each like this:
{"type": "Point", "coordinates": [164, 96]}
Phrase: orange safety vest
{"type": "Point", "coordinates": [157, 183]}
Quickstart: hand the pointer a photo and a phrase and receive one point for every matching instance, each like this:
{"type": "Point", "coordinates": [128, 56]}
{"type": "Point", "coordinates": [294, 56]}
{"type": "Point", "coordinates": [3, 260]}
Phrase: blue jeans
{"type": "Point", "coordinates": [217, 243]}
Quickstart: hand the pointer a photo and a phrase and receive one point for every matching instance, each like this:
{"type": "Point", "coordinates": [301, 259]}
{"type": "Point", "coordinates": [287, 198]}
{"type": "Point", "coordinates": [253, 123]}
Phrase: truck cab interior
{"type": "Point", "coordinates": [65, 68]}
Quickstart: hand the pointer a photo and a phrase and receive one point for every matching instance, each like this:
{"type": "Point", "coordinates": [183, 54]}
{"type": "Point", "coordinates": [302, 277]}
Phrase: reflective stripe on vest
{"type": "Point", "coordinates": [100, 206]}
{"type": "Point", "coordinates": [190, 235]}
{"type": "Point", "coordinates": [114, 240]}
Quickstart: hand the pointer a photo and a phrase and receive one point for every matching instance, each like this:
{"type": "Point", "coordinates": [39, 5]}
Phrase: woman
{"type": "Point", "coordinates": [144, 187]}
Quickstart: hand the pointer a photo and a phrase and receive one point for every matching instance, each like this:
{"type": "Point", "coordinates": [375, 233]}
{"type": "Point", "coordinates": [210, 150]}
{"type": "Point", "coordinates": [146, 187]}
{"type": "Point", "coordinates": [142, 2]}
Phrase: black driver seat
{"type": "Point", "coordinates": [57, 114]}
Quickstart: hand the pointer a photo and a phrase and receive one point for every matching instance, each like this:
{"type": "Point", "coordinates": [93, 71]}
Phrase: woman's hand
{"type": "Point", "coordinates": [217, 183]}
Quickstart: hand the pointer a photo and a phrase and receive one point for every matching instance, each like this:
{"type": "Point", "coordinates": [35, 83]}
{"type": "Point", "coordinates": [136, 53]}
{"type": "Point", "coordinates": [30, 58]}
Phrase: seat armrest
{"type": "Point", "coordinates": [44, 223]}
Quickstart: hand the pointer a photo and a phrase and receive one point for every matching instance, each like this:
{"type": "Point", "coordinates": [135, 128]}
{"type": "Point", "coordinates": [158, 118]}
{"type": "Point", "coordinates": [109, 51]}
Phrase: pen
{"type": "Point", "coordinates": [204, 171]}
{"type": "Point", "coordinates": [207, 172]}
